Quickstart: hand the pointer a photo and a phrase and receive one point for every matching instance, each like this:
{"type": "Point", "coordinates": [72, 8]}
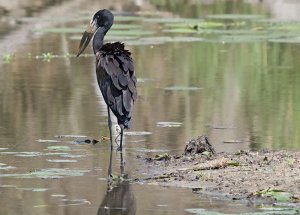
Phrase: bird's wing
{"type": "Point", "coordinates": [116, 62]}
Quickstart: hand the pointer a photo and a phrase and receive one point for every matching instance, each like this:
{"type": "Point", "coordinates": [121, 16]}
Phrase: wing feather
{"type": "Point", "coordinates": [118, 83]}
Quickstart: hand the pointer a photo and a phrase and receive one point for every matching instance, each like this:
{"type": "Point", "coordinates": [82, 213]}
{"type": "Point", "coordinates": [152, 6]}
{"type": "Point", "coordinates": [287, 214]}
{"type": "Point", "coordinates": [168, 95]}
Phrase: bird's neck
{"type": "Point", "coordinates": [98, 39]}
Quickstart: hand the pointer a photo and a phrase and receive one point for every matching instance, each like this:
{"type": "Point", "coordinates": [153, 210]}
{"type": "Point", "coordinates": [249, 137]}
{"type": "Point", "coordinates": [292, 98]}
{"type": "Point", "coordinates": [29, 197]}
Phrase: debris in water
{"type": "Point", "coordinates": [198, 146]}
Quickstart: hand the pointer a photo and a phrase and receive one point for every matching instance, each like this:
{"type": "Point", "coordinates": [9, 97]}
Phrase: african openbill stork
{"type": "Point", "coordinates": [115, 73]}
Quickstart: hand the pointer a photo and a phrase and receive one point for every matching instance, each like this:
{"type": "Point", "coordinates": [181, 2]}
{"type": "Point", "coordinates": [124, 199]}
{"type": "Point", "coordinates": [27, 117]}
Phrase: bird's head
{"type": "Point", "coordinates": [102, 19]}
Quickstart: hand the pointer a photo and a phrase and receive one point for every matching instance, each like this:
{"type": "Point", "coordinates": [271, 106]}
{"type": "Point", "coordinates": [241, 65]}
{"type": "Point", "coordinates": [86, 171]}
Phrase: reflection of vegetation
{"type": "Point", "coordinates": [250, 86]}
{"type": "Point", "coordinates": [188, 8]}
{"type": "Point", "coordinates": [8, 58]}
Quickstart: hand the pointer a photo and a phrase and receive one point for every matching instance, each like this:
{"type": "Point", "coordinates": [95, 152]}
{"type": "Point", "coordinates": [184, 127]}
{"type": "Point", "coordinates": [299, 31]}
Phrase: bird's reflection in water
{"type": "Point", "coordinates": [119, 200]}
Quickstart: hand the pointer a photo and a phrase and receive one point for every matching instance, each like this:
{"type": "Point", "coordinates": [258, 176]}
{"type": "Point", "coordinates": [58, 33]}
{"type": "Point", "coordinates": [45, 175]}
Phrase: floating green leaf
{"type": "Point", "coordinates": [182, 88]}
{"type": "Point", "coordinates": [180, 30]}
{"type": "Point", "coordinates": [58, 195]}
{"type": "Point", "coordinates": [47, 141]}
{"type": "Point", "coordinates": [127, 18]}
{"type": "Point", "coordinates": [134, 32]}
{"type": "Point", "coordinates": [59, 148]}
{"type": "Point", "coordinates": [4, 167]}
{"type": "Point", "coordinates": [170, 20]}
{"type": "Point", "coordinates": [70, 136]}
{"type": "Point", "coordinates": [57, 173]}
{"type": "Point", "coordinates": [236, 16]}
{"type": "Point", "coordinates": [279, 195]}
{"type": "Point", "coordinates": [61, 161]}
{"type": "Point", "coordinates": [286, 40]}
{"type": "Point", "coordinates": [169, 124]}
{"type": "Point", "coordinates": [137, 133]}
{"type": "Point", "coordinates": [51, 173]}
{"type": "Point", "coordinates": [125, 26]}
{"type": "Point", "coordinates": [59, 30]}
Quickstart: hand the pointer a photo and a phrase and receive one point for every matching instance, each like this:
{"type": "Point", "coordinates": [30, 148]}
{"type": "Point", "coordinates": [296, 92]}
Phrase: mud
{"type": "Point", "coordinates": [243, 175]}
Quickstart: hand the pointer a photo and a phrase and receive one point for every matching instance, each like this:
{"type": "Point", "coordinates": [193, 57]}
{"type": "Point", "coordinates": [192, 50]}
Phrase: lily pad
{"type": "Point", "coordinates": [170, 20]}
{"type": "Point", "coordinates": [142, 80]}
{"type": "Point", "coordinates": [123, 26]}
{"type": "Point", "coordinates": [134, 32]}
{"type": "Point", "coordinates": [119, 38]}
{"type": "Point", "coordinates": [58, 195]}
{"type": "Point", "coordinates": [56, 153]}
{"type": "Point", "coordinates": [70, 202]}
{"type": "Point", "coordinates": [150, 150]}
{"type": "Point", "coordinates": [182, 88]}
{"type": "Point", "coordinates": [51, 173]}
{"type": "Point", "coordinates": [72, 156]}
{"type": "Point", "coordinates": [7, 167]}
{"type": "Point", "coordinates": [202, 211]}
{"type": "Point", "coordinates": [180, 30]}
{"type": "Point", "coordinates": [47, 141]}
{"type": "Point", "coordinates": [57, 173]}
{"type": "Point", "coordinates": [162, 40]}
{"type": "Point", "coordinates": [236, 16]}
{"type": "Point", "coordinates": [61, 161]}
{"type": "Point", "coordinates": [127, 18]}
{"type": "Point", "coordinates": [169, 124]}
{"type": "Point", "coordinates": [137, 133]}
{"type": "Point", "coordinates": [59, 148]}
{"type": "Point", "coordinates": [39, 189]}
{"type": "Point", "coordinates": [70, 136]}
{"type": "Point", "coordinates": [29, 154]}
{"type": "Point", "coordinates": [59, 30]}
{"type": "Point", "coordinates": [195, 26]}
{"type": "Point", "coordinates": [33, 189]}
{"type": "Point", "coordinates": [232, 141]}
{"type": "Point", "coordinates": [286, 40]}
{"type": "Point", "coordinates": [8, 186]}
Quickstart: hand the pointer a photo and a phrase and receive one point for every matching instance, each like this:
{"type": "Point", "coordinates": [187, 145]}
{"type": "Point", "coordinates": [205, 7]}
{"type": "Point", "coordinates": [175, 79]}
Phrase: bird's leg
{"type": "Point", "coordinates": [111, 146]}
{"type": "Point", "coordinates": [121, 140]}
{"type": "Point", "coordinates": [121, 153]}
{"type": "Point", "coordinates": [110, 177]}
{"type": "Point", "coordinates": [122, 164]}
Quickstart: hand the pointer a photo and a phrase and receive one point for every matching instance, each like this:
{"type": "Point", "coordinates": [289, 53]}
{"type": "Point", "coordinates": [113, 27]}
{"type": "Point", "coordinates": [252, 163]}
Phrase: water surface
{"type": "Point", "coordinates": [242, 92]}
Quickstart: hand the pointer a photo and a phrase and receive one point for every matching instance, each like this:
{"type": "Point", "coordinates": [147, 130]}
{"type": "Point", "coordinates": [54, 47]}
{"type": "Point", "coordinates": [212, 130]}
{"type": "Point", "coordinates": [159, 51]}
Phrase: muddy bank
{"type": "Point", "coordinates": [265, 175]}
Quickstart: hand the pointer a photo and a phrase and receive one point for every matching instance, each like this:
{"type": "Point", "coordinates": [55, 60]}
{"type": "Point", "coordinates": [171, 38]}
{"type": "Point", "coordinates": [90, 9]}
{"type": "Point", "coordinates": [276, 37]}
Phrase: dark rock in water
{"type": "Point", "coordinates": [198, 146]}
{"type": "Point", "coordinates": [87, 141]}
{"type": "Point", "coordinates": [95, 141]}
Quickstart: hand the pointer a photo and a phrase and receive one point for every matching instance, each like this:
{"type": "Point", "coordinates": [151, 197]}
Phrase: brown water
{"type": "Point", "coordinates": [246, 92]}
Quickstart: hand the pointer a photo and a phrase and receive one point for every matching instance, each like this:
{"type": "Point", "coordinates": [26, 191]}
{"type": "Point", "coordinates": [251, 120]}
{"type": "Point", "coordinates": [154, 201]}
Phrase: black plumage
{"type": "Point", "coordinates": [115, 72]}
{"type": "Point", "coordinates": [117, 82]}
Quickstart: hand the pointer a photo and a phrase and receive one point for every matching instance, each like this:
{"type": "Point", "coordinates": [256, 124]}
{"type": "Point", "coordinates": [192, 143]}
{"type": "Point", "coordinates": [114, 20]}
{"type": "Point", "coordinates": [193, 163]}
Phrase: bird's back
{"type": "Point", "coordinates": [117, 81]}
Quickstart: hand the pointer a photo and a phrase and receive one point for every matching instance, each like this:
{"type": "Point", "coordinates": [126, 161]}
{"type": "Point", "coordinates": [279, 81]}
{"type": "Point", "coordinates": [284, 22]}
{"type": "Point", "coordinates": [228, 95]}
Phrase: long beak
{"type": "Point", "coordinates": [86, 37]}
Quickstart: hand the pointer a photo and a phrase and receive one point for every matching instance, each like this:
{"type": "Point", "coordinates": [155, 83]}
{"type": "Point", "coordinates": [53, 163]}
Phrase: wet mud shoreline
{"type": "Point", "coordinates": [264, 176]}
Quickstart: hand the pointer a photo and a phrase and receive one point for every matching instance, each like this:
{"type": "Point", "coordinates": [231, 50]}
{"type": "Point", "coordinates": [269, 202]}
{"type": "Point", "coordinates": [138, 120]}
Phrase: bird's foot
{"type": "Point", "coordinates": [119, 149]}
{"type": "Point", "coordinates": [109, 183]}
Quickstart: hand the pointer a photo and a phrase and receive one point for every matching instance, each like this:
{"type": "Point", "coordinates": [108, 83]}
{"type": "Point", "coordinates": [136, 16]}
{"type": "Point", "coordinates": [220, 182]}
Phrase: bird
{"type": "Point", "coordinates": [115, 73]}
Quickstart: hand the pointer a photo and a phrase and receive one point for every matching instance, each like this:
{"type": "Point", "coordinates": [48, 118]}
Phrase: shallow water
{"type": "Point", "coordinates": [243, 93]}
